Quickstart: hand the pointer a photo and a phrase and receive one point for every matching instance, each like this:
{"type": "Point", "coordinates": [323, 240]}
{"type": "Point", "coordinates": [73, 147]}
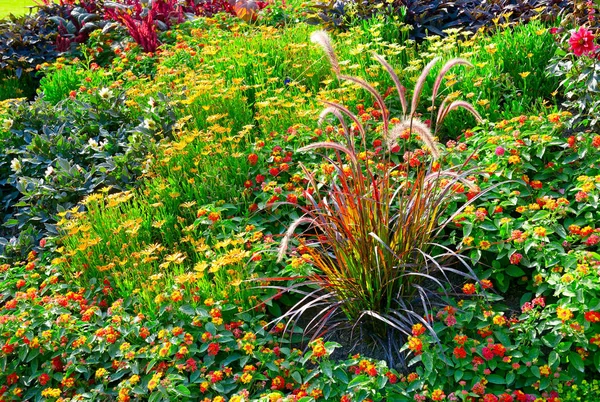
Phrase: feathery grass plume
{"type": "Point", "coordinates": [419, 85]}
{"type": "Point", "coordinates": [288, 234]}
{"type": "Point", "coordinates": [417, 126]}
{"type": "Point", "coordinates": [444, 110]}
{"type": "Point", "coordinates": [399, 87]}
{"type": "Point", "coordinates": [322, 39]}
{"type": "Point", "coordinates": [451, 63]}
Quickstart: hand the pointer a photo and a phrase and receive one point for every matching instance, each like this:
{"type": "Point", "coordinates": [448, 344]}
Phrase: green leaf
{"type": "Point", "coordinates": [182, 390]}
{"type": "Point", "coordinates": [195, 376]}
{"type": "Point", "coordinates": [458, 374]}
{"type": "Point", "coordinates": [118, 375]}
{"type": "Point", "coordinates": [502, 337]}
{"type": "Point", "coordinates": [297, 377]}
{"type": "Point", "coordinates": [326, 368]}
{"type": "Point", "coordinates": [496, 379]}
{"type": "Point", "coordinates": [23, 353]}
{"type": "Point", "coordinates": [551, 339]}
{"type": "Point", "coordinates": [427, 360]}
{"type": "Point", "coordinates": [467, 228]}
{"type": "Point", "coordinates": [544, 383]}
{"type": "Point", "coordinates": [553, 358]}
{"type": "Point", "coordinates": [576, 360]}
{"type": "Point", "coordinates": [187, 309]}
{"type": "Point", "coordinates": [340, 375]}
{"type": "Point", "coordinates": [510, 377]}
{"type": "Point", "coordinates": [230, 359]}
{"type": "Point", "coordinates": [502, 282]}
{"type": "Point", "coordinates": [560, 230]}
{"type": "Point", "coordinates": [361, 379]}
{"type": "Point", "coordinates": [564, 347]}
{"type": "Point", "coordinates": [514, 271]}
{"type": "Point", "coordinates": [154, 397]}
{"type": "Point", "coordinates": [540, 152]}
{"type": "Point", "coordinates": [210, 327]}
{"type": "Point", "coordinates": [488, 226]}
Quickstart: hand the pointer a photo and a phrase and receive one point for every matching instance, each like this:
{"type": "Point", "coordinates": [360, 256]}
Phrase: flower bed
{"type": "Point", "coordinates": [166, 213]}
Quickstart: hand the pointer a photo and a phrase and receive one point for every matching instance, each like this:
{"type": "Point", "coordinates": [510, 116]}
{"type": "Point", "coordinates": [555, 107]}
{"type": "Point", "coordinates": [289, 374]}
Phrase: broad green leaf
{"type": "Point", "coordinates": [576, 360]}
{"type": "Point", "coordinates": [496, 379]}
{"type": "Point", "coordinates": [182, 390]}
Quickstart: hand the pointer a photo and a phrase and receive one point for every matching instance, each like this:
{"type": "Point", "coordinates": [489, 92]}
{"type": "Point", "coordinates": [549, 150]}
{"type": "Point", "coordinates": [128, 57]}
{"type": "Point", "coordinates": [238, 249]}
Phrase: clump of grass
{"type": "Point", "coordinates": [372, 229]}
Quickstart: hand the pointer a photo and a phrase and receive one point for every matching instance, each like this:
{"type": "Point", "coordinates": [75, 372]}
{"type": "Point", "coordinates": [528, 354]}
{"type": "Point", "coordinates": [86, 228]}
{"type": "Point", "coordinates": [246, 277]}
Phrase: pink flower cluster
{"type": "Point", "coordinates": [582, 42]}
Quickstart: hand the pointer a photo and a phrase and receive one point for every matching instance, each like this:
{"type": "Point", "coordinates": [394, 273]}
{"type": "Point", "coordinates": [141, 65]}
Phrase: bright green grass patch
{"type": "Point", "coordinates": [16, 7]}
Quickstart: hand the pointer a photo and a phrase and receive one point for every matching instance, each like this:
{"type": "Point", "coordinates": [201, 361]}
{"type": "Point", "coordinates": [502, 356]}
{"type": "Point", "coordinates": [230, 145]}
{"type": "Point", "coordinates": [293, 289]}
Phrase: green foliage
{"type": "Point", "coordinates": [584, 391]}
{"type": "Point", "coordinates": [164, 271]}
{"type": "Point", "coordinates": [78, 343]}
{"type": "Point", "coordinates": [26, 42]}
{"type": "Point", "coordinates": [55, 155]}
{"type": "Point", "coordinates": [554, 208]}
{"type": "Point", "coordinates": [508, 80]}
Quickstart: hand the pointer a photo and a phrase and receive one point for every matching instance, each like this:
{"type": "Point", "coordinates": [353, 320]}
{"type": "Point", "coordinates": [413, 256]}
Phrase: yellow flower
{"type": "Point", "coordinates": [567, 278]}
{"type": "Point", "coordinates": [467, 241]}
{"type": "Point", "coordinates": [51, 393]}
{"type": "Point", "coordinates": [153, 383]}
{"type": "Point", "coordinates": [246, 378]}
{"type": "Point", "coordinates": [499, 320]}
{"type": "Point", "coordinates": [491, 48]}
{"type": "Point", "coordinates": [525, 74]}
{"type": "Point", "coordinates": [484, 244]}
{"type": "Point", "coordinates": [513, 159]}
{"type": "Point", "coordinates": [564, 314]}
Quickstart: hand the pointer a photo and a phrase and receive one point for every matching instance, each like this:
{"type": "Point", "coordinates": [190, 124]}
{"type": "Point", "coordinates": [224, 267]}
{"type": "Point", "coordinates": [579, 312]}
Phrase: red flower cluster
{"type": "Point", "coordinates": [592, 316]}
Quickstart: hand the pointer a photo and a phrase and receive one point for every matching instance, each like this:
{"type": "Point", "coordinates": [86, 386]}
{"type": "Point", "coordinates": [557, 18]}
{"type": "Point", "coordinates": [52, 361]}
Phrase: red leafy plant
{"type": "Point", "coordinates": [142, 23]}
{"type": "Point", "coordinates": [372, 225]}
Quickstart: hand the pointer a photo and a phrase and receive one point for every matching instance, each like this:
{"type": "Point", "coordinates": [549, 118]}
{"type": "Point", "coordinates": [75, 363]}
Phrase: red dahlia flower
{"type": "Point", "coordinates": [582, 42]}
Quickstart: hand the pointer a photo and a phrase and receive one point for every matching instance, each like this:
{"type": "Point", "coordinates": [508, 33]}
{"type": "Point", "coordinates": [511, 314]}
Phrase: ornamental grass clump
{"type": "Point", "coordinates": [372, 226]}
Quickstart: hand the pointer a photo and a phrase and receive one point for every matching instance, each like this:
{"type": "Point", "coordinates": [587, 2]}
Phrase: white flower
{"type": "Point", "coordinates": [152, 103]}
{"type": "Point", "coordinates": [105, 93]}
{"type": "Point", "coordinates": [149, 124]}
{"type": "Point", "coordinates": [16, 165]}
{"type": "Point", "coordinates": [49, 171]}
{"type": "Point", "coordinates": [92, 143]}
{"type": "Point", "coordinates": [7, 124]}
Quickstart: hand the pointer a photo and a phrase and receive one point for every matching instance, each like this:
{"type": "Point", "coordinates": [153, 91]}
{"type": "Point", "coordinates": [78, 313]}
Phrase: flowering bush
{"type": "Point", "coordinates": [75, 344]}
{"type": "Point", "coordinates": [553, 198]}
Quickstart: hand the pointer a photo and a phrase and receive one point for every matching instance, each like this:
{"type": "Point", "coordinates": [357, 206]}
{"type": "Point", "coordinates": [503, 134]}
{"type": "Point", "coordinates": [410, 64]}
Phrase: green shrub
{"type": "Point", "coordinates": [52, 156]}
